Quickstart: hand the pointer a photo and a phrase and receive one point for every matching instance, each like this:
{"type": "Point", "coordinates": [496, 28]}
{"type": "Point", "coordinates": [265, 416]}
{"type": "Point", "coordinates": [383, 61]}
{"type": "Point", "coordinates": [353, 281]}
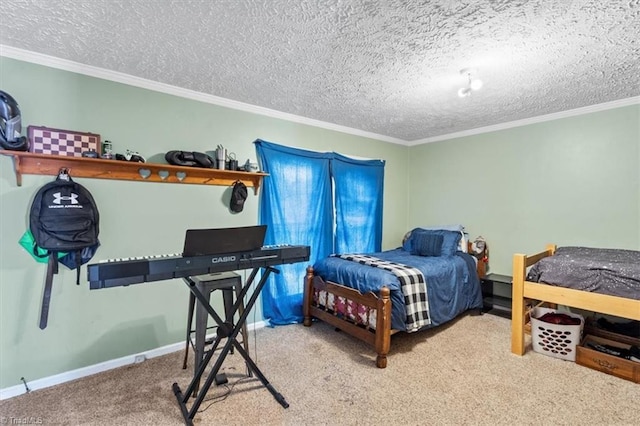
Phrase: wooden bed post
{"type": "Point", "coordinates": [308, 294]}
{"type": "Point", "coordinates": [517, 305]}
{"type": "Point", "coordinates": [551, 250]}
{"type": "Point", "coordinates": [383, 327]}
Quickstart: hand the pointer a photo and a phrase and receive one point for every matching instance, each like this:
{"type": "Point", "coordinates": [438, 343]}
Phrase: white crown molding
{"type": "Point", "coordinates": [79, 373]}
{"type": "Point", "coordinates": [118, 77]}
{"type": "Point", "coordinates": [539, 119]}
{"type": "Point", "coordinates": [66, 65]}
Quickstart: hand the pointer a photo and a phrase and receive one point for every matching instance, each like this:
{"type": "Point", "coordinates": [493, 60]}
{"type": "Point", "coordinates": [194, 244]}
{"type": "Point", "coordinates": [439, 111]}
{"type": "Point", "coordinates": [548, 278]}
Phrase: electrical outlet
{"type": "Point", "coordinates": [139, 358]}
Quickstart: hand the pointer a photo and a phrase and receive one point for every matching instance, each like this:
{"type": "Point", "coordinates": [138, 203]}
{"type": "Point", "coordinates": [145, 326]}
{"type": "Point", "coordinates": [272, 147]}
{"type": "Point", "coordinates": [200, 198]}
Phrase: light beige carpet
{"type": "Point", "coordinates": [461, 373]}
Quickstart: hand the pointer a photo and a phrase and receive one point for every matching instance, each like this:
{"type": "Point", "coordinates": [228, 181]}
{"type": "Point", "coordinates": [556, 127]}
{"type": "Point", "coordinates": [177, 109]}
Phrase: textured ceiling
{"type": "Point", "coordinates": [389, 67]}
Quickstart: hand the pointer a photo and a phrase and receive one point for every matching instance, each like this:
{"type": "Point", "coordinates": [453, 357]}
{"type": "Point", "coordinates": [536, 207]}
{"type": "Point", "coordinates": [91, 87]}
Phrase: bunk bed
{"type": "Point", "coordinates": [352, 298]}
{"type": "Point", "coordinates": [611, 288]}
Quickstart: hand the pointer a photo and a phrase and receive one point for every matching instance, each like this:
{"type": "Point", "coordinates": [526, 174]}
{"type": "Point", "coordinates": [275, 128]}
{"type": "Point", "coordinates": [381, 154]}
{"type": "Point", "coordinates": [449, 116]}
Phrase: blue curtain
{"type": "Point", "coordinates": [359, 186]}
{"type": "Point", "coordinates": [297, 205]}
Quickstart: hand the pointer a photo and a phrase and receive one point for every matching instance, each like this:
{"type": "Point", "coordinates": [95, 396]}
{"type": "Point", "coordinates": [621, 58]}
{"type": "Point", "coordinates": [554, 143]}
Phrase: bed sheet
{"type": "Point", "coordinates": [615, 272]}
{"type": "Point", "coordinates": [452, 282]}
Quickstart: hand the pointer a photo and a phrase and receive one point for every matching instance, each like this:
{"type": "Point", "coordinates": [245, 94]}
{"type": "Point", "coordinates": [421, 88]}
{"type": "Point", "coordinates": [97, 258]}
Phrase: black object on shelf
{"type": "Point", "coordinates": [493, 303]}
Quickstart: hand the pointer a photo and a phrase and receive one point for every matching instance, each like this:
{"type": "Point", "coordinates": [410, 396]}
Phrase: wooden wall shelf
{"type": "Point", "coordinates": [47, 164]}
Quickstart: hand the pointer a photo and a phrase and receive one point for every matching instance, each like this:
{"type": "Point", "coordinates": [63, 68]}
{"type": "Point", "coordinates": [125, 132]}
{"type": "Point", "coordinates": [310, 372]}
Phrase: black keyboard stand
{"type": "Point", "coordinates": [229, 331]}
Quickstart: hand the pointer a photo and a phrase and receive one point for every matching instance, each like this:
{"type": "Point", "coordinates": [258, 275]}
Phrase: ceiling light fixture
{"type": "Point", "coordinates": [473, 83]}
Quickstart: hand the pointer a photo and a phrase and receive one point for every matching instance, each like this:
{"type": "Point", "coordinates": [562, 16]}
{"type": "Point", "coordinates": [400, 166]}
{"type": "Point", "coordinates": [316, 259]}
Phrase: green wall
{"type": "Point", "coordinates": [571, 181]}
{"type": "Point", "coordinates": [568, 181]}
{"type": "Point", "coordinates": [137, 218]}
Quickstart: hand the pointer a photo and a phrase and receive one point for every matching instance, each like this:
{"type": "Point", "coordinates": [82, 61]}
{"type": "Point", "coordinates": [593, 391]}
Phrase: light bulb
{"type": "Point", "coordinates": [475, 84]}
{"type": "Point", "coordinates": [464, 92]}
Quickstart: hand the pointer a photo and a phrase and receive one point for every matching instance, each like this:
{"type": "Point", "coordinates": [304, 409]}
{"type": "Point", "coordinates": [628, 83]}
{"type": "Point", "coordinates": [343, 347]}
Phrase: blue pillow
{"type": "Point", "coordinates": [450, 243]}
{"type": "Point", "coordinates": [427, 244]}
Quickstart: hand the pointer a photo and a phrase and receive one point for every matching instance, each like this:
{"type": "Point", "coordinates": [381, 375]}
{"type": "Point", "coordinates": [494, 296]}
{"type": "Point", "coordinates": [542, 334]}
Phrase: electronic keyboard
{"type": "Point", "coordinates": [123, 272]}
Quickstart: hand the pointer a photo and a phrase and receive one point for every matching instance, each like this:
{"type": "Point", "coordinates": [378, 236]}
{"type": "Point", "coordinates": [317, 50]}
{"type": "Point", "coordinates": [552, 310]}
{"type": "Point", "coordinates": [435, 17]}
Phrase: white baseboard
{"type": "Point", "coordinates": [57, 379]}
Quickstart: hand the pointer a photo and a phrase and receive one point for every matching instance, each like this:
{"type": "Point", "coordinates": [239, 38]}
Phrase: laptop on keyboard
{"type": "Point", "coordinates": [203, 242]}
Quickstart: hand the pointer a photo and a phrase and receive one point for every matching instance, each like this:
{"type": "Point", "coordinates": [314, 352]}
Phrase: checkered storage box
{"type": "Point", "coordinates": [45, 140]}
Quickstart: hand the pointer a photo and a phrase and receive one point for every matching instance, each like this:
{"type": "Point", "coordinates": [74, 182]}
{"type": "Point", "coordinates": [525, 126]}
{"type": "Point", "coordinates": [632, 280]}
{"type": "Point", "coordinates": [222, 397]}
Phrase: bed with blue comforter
{"type": "Point", "coordinates": [369, 302]}
{"type": "Point", "coordinates": [453, 285]}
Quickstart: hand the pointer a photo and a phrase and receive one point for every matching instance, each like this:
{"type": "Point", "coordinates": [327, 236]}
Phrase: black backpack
{"type": "Point", "coordinates": [63, 218]}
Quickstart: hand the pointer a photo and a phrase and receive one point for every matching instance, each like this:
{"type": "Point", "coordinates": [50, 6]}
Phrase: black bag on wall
{"type": "Point", "coordinates": [63, 218]}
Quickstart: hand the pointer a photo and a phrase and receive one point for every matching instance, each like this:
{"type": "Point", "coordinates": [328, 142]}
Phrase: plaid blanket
{"type": "Point", "coordinates": [414, 287]}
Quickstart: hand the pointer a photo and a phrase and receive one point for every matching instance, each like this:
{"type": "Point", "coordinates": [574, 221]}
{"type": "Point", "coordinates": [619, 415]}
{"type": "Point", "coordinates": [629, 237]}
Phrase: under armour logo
{"type": "Point", "coordinates": [57, 198]}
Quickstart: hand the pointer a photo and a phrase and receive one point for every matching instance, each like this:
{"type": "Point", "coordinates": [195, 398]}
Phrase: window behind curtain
{"type": "Point", "coordinates": [297, 205]}
{"type": "Point", "coordinates": [359, 186]}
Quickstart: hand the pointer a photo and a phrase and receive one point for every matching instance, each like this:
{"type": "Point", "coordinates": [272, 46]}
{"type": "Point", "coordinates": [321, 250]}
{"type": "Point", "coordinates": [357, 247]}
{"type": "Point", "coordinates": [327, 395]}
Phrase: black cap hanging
{"type": "Point", "coordinates": [238, 196]}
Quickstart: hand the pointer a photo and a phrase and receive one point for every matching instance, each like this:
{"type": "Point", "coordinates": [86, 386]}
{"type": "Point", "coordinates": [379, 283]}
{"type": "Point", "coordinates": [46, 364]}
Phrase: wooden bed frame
{"type": "Point", "coordinates": [373, 326]}
{"type": "Point", "coordinates": [522, 289]}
